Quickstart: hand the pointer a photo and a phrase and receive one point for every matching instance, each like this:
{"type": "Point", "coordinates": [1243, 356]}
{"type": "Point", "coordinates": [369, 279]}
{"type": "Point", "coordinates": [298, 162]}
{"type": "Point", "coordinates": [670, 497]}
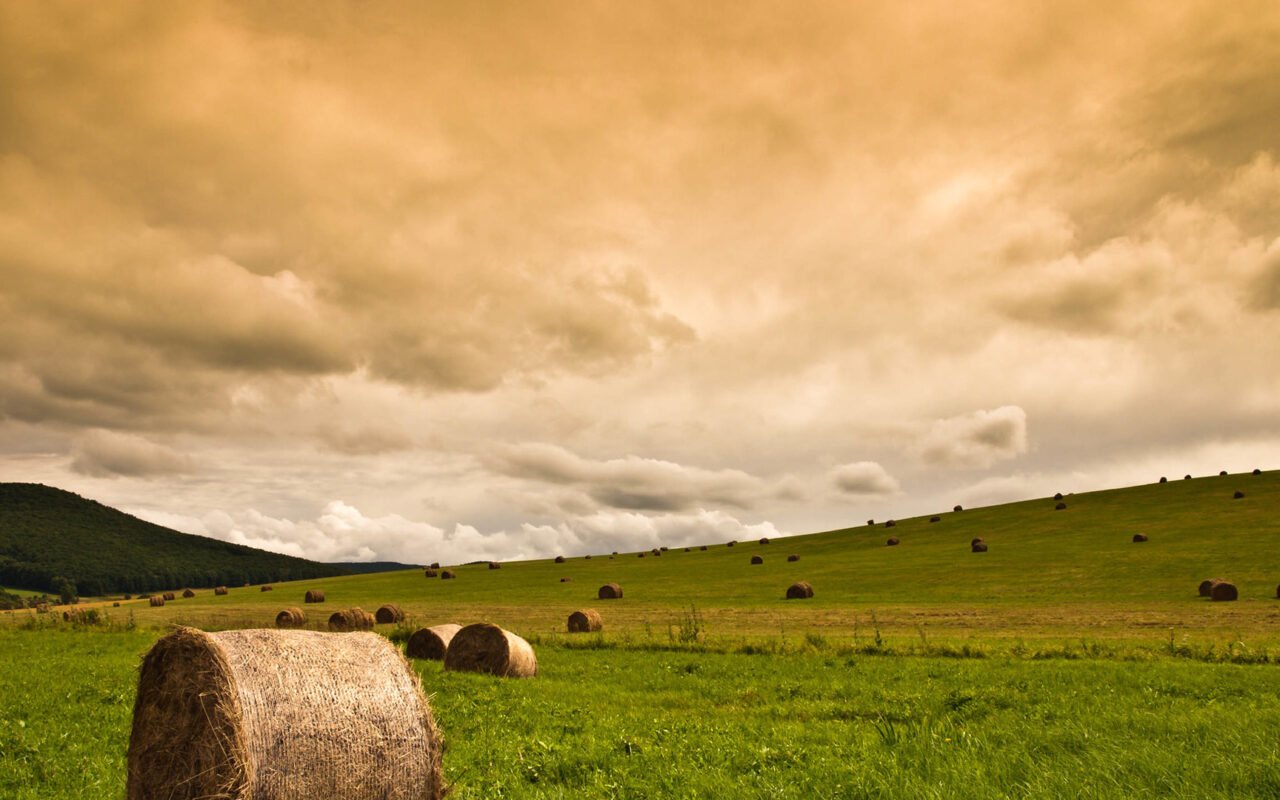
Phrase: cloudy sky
{"type": "Point", "coordinates": [447, 281]}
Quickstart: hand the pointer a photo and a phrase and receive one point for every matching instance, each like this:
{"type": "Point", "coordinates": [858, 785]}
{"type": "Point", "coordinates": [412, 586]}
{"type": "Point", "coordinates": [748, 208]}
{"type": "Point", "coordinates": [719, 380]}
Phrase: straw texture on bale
{"type": "Point", "coordinates": [1223, 590]}
{"type": "Point", "coordinates": [559, 559]}
{"type": "Point", "coordinates": [978, 547]}
{"type": "Point", "coordinates": [483, 647]}
{"type": "Point", "coordinates": [793, 557]}
{"type": "Point", "coordinates": [285, 715]}
{"type": "Point", "coordinates": [314, 596]}
{"type": "Point", "coordinates": [431, 643]}
{"type": "Point", "coordinates": [350, 619]}
{"type": "Point", "coordinates": [757, 560]}
{"type": "Point", "coordinates": [389, 614]}
{"type": "Point", "coordinates": [799, 590]}
{"type": "Point", "coordinates": [290, 618]}
{"type": "Point", "coordinates": [267, 588]}
{"type": "Point", "coordinates": [188, 593]}
{"type": "Point", "coordinates": [1206, 585]}
{"type": "Point", "coordinates": [1139, 537]}
{"type": "Point", "coordinates": [447, 575]}
{"type": "Point", "coordinates": [585, 621]}
{"type": "Point", "coordinates": [169, 596]}
{"type": "Point", "coordinates": [430, 573]}
{"type": "Point", "coordinates": [156, 600]}
{"type": "Point", "coordinates": [219, 590]}
{"type": "Point", "coordinates": [892, 541]}
{"type": "Point", "coordinates": [610, 591]}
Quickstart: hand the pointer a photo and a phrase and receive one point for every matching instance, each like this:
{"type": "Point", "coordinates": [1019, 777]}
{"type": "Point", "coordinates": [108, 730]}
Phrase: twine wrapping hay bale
{"type": "Point", "coordinates": [610, 591]}
{"type": "Point", "coordinates": [483, 647]}
{"type": "Point", "coordinates": [1139, 537]}
{"type": "Point", "coordinates": [267, 588]}
{"type": "Point", "coordinates": [430, 573]}
{"type": "Point", "coordinates": [585, 621]}
{"type": "Point", "coordinates": [800, 590]}
{"type": "Point", "coordinates": [290, 618]}
{"type": "Point", "coordinates": [1223, 591]}
{"type": "Point", "coordinates": [1238, 495]}
{"type": "Point", "coordinates": [285, 715]}
{"type": "Point", "coordinates": [219, 590]}
{"type": "Point", "coordinates": [793, 557]}
{"type": "Point", "coordinates": [314, 596]}
{"type": "Point", "coordinates": [447, 575]}
{"type": "Point", "coordinates": [156, 601]}
{"type": "Point", "coordinates": [892, 541]}
{"type": "Point", "coordinates": [1206, 586]}
{"type": "Point", "coordinates": [757, 560]}
{"type": "Point", "coordinates": [431, 643]}
{"type": "Point", "coordinates": [188, 593]}
{"type": "Point", "coordinates": [978, 547]}
{"type": "Point", "coordinates": [351, 619]}
{"type": "Point", "coordinates": [389, 614]}
{"type": "Point", "coordinates": [1060, 507]}
{"type": "Point", "coordinates": [169, 596]}
{"type": "Point", "coordinates": [559, 559]}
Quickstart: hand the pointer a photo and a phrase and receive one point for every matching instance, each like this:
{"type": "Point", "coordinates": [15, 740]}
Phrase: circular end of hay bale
{"type": "Point", "coordinates": [219, 590]}
{"type": "Point", "coordinates": [1057, 496]}
{"type": "Point", "coordinates": [892, 541]}
{"type": "Point", "coordinates": [447, 575]}
{"type": "Point", "coordinates": [800, 590]}
{"type": "Point", "coordinates": [935, 519]}
{"type": "Point", "coordinates": [1223, 591]}
{"type": "Point", "coordinates": [188, 593]}
{"type": "Point", "coordinates": [1238, 495]}
{"type": "Point", "coordinates": [314, 596]}
{"type": "Point", "coordinates": [757, 560]}
{"type": "Point", "coordinates": [559, 559]}
{"type": "Point", "coordinates": [249, 713]}
{"type": "Point", "coordinates": [1163, 479]}
{"type": "Point", "coordinates": [1060, 507]}
{"type": "Point", "coordinates": [1222, 474]}
{"type": "Point", "coordinates": [587, 620]}
{"type": "Point", "coordinates": [351, 619]}
{"type": "Point", "coordinates": [610, 591]}
{"type": "Point", "coordinates": [486, 648]}
{"type": "Point", "coordinates": [978, 547]}
{"type": "Point", "coordinates": [1257, 471]}
{"type": "Point", "coordinates": [764, 540]}
{"type": "Point", "coordinates": [389, 614]}
{"type": "Point", "coordinates": [430, 573]}
{"type": "Point", "coordinates": [1206, 586]}
{"type": "Point", "coordinates": [958, 508]}
{"type": "Point", "coordinates": [1139, 537]}
{"type": "Point", "coordinates": [290, 618]}
{"type": "Point", "coordinates": [431, 643]}
{"type": "Point", "coordinates": [566, 580]}
{"type": "Point", "coordinates": [793, 557]}
{"type": "Point", "coordinates": [494, 565]}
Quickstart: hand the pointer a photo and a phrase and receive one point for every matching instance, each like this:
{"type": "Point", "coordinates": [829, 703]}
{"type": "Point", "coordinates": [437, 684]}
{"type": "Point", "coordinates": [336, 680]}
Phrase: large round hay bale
{"type": "Point", "coordinates": [169, 596]}
{"type": "Point", "coordinates": [351, 619]}
{"type": "Point", "coordinates": [1139, 537]}
{"type": "Point", "coordinates": [1238, 495]}
{"type": "Point", "coordinates": [1257, 471]}
{"type": "Point", "coordinates": [1223, 591]}
{"type": "Point", "coordinates": [314, 596]}
{"type": "Point", "coordinates": [1060, 507]}
{"type": "Point", "coordinates": [1163, 479]}
{"type": "Point", "coordinates": [610, 591]}
{"type": "Point", "coordinates": [1206, 586]}
{"type": "Point", "coordinates": [559, 559]}
{"type": "Point", "coordinates": [156, 600]}
{"type": "Point", "coordinates": [871, 522]}
{"type": "Point", "coordinates": [219, 590]}
{"type": "Point", "coordinates": [188, 593]}
{"type": "Point", "coordinates": [958, 508]}
{"type": "Point", "coordinates": [586, 620]}
{"type": "Point", "coordinates": [935, 519]}
{"type": "Point", "coordinates": [891, 524]}
{"type": "Point", "coordinates": [494, 565]}
{"type": "Point", "coordinates": [430, 573]}
{"type": "Point", "coordinates": [1057, 496]}
{"type": "Point", "coordinates": [281, 714]}
{"type": "Point", "coordinates": [703, 547]}
{"type": "Point", "coordinates": [764, 540]}
{"type": "Point", "coordinates": [799, 590]}
{"type": "Point", "coordinates": [978, 547]}
{"type": "Point", "coordinates": [656, 552]}
{"type": "Point", "coordinates": [483, 647]}
{"type": "Point", "coordinates": [892, 541]}
{"type": "Point", "coordinates": [290, 618]}
{"type": "Point", "coordinates": [447, 575]}
{"type": "Point", "coordinates": [267, 588]}
{"type": "Point", "coordinates": [793, 557]}
{"type": "Point", "coordinates": [388, 614]}
{"type": "Point", "coordinates": [757, 560]}
{"type": "Point", "coordinates": [731, 543]}
{"type": "Point", "coordinates": [1186, 477]}
{"type": "Point", "coordinates": [431, 643]}
{"type": "Point", "coordinates": [1223, 473]}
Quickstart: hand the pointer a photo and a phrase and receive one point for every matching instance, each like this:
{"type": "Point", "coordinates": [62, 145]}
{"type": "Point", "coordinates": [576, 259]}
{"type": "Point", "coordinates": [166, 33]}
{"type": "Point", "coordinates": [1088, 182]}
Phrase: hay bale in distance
{"type": "Point", "coordinates": [188, 593]}
{"type": "Point", "coordinates": [935, 519]}
{"type": "Point", "coordinates": [610, 591]}
{"type": "Point", "coordinates": [731, 543]}
{"type": "Point", "coordinates": [486, 648]}
{"type": "Point", "coordinates": [757, 560]}
{"type": "Point", "coordinates": [116, 604]}
{"type": "Point", "coordinates": [388, 614]}
{"type": "Point", "coordinates": [1206, 586]}
{"type": "Point", "coordinates": [871, 522]}
{"type": "Point", "coordinates": [764, 540]}
{"type": "Point", "coordinates": [958, 508]}
{"type": "Point", "coordinates": [800, 590]}
{"type": "Point", "coordinates": [431, 643]}
{"type": "Point", "coordinates": [641, 555]}
{"type": "Point", "coordinates": [664, 548]}
{"type": "Point", "coordinates": [252, 713]}
{"type": "Point", "coordinates": [978, 547]}
{"type": "Point", "coordinates": [351, 619]}
{"type": "Point", "coordinates": [892, 541]}
{"type": "Point", "coordinates": [1223, 474]}
{"type": "Point", "coordinates": [656, 552]}
{"type": "Point", "coordinates": [430, 573]}
{"type": "Point", "coordinates": [1223, 591]}
{"type": "Point", "coordinates": [1163, 479]}
{"type": "Point", "coordinates": [314, 596]}
{"type": "Point", "coordinates": [1060, 507]}
{"type": "Point", "coordinates": [1057, 496]}
{"type": "Point", "coordinates": [1238, 495]}
{"type": "Point", "coordinates": [447, 575]}
{"type": "Point", "coordinates": [587, 557]}
{"type": "Point", "coordinates": [290, 618]}
{"type": "Point", "coordinates": [586, 620]}
{"type": "Point", "coordinates": [891, 524]}
{"type": "Point", "coordinates": [267, 588]}
{"type": "Point", "coordinates": [1186, 477]}
{"type": "Point", "coordinates": [566, 579]}
{"type": "Point", "coordinates": [169, 596]}
{"type": "Point", "coordinates": [1257, 471]}
{"type": "Point", "coordinates": [976, 540]}
{"type": "Point", "coordinates": [703, 547]}
{"type": "Point", "coordinates": [494, 565]}
{"type": "Point", "coordinates": [559, 559]}
{"type": "Point", "coordinates": [793, 557]}
{"type": "Point", "coordinates": [1139, 537]}
{"type": "Point", "coordinates": [219, 590]}
{"type": "Point", "coordinates": [156, 601]}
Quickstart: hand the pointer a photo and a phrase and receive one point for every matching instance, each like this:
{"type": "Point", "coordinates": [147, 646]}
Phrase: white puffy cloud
{"type": "Point", "coordinates": [979, 439]}
{"type": "Point", "coordinates": [864, 478]}
{"type": "Point", "coordinates": [103, 453]}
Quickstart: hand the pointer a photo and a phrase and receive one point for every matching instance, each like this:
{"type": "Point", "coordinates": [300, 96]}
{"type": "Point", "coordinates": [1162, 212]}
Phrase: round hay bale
{"type": "Point", "coordinates": [891, 524]}
{"type": "Point", "coordinates": [587, 557]}
{"type": "Point", "coordinates": [687, 549]}
{"type": "Point", "coordinates": [128, 597]}
{"type": "Point", "coordinates": [800, 590]}
{"type": "Point", "coordinates": [314, 596]}
{"type": "Point", "coordinates": [388, 614]}
{"type": "Point", "coordinates": [267, 588]}
{"type": "Point", "coordinates": [585, 621]}
{"type": "Point", "coordinates": [188, 593]}
{"type": "Point", "coordinates": [958, 508]}
{"type": "Point", "coordinates": [610, 591]}
{"type": "Point", "coordinates": [559, 559]}
{"type": "Point", "coordinates": [156, 600]}
{"type": "Point", "coordinates": [1223, 474]}
{"type": "Point", "coordinates": [566, 580]}
{"type": "Point", "coordinates": [1223, 591]}
{"type": "Point", "coordinates": [116, 604]}
{"type": "Point", "coordinates": [1206, 586]}
{"type": "Point", "coordinates": [1257, 471]}
{"type": "Point", "coordinates": [1057, 496]}
{"type": "Point", "coordinates": [219, 590]}
{"type": "Point", "coordinates": [935, 519]}
{"type": "Point", "coordinates": [871, 522]}
{"type": "Point", "coordinates": [1186, 477]}
{"type": "Point", "coordinates": [351, 619]}
{"type": "Point", "coordinates": [641, 555]}
{"type": "Point", "coordinates": [793, 557]}
{"type": "Point", "coordinates": [494, 565]}
{"type": "Point", "coordinates": [431, 643]}
{"type": "Point", "coordinates": [169, 596]}
{"type": "Point", "coordinates": [976, 540]}
{"type": "Point", "coordinates": [764, 540]}
{"type": "Point", "coordinates": [430, 573]}
{"type": "Point", "coordinates": [290, 618]}
{"type": "Point", "coordinates": [656, 552]}
{"type": "Point", "coordinates": [757, 560]}
{"type": "Point", "coordinates": [486, 648]}
{"type": "Point", "coordinates": [281, 714]}
{"type": "Point", "coordinates": [447, 575]}
{"type": "Point", "coordinates": [978, 547]}
{"type": "Point", "coordinates": [1060, 507]}
{"type": "Point", "coordinates": [1139, 537]}
{"type": "Point", "coordinates": [1163, 479]}
{"type": "Point", "coordinates": [892, 541]}
{"type": "Point", "coordinates": [1238, 495]}
{"type": "Point", "coordinates": [703, 547]}
{"type": "Point", "coordinates": [664, 548]}
{"type": "Point", "coordinates": [731, 543]}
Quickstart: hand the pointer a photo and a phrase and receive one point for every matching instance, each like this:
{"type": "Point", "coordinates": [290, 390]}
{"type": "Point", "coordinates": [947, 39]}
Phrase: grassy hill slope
{"type": "Point", "coordinates": [47, 532]}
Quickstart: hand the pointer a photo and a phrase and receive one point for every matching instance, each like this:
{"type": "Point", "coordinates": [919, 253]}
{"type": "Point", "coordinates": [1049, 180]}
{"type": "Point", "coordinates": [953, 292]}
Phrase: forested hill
{"type": "Point", "coordinates": [48, 533]}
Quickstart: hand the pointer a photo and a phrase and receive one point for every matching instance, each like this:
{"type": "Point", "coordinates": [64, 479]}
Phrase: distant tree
{"type": "Point", "coordinates": [66, 590]}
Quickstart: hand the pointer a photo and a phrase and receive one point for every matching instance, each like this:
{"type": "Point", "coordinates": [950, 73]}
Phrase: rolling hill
{"type": "Point", "coordinates": [47, 533]}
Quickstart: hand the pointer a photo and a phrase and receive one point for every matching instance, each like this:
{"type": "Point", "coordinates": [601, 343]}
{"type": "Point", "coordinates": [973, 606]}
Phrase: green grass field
{"type": "Point", "coordinates": [1065, 662]}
